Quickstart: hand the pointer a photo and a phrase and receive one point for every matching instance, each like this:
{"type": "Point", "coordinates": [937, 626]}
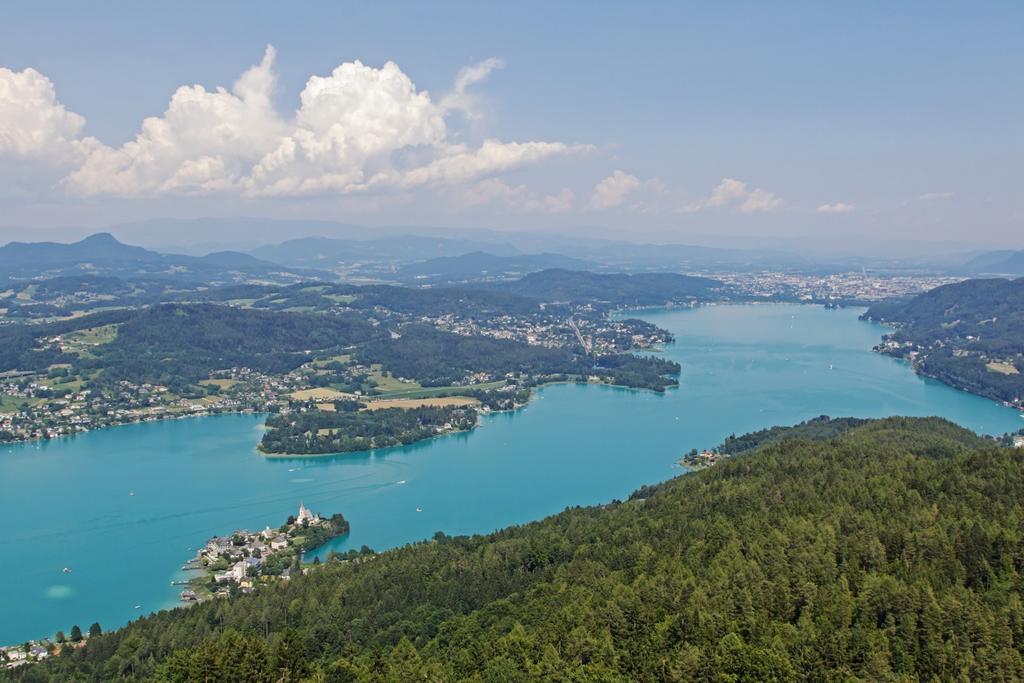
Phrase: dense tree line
{"type": "Point", "coordinates": [640, 372]}
{"type": "Point", "coordinates": [349, 429]}
{"type": "Point", "coordinates": [815, 429]}
{"type": "Point", "coordinates": [891, 552]}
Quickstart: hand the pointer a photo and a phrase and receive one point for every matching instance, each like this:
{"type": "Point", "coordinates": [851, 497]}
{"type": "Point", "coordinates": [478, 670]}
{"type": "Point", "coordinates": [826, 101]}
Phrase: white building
{"type": "Point", "coordinates": [306, 516]}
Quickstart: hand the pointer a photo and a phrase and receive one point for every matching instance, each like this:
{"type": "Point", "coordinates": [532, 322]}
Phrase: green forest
{"type": "Point", "coordinates": [891, 550]}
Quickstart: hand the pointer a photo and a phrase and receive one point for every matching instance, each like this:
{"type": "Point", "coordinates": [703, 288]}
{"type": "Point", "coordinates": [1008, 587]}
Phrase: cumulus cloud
{"type": "Point", "coordinates": [518, 197]}
{"type": "Point", "coordinates": [358, 129]}
{"type": "Point", "coordinates": [732, 192]}
{"type": "Point", "coordinates": [613, 190]}
{"type": "Point", "coordinates": [205, 141]}
{"type": "Point", "coordinates": [838, 207]}
{"type": "Point", "coordinates": [34, 126]}
{"type": "Point", "coordinates": [935, 196]}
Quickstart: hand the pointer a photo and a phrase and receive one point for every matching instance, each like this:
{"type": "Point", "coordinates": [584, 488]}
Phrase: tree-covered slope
{"type": "Point", "coordinates": [892, 552]}
{"type": "Point", "coordinates": [969, 335]}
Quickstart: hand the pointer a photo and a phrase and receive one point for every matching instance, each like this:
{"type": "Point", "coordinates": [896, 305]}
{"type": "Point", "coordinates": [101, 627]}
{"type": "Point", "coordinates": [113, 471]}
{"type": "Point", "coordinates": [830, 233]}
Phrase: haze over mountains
{"type": "Point", "coordinates": [1003, 262]}
{"type": "Point", "coordinates": [427, 259]}
{"type": "Point", "coordinates": [102, 254]}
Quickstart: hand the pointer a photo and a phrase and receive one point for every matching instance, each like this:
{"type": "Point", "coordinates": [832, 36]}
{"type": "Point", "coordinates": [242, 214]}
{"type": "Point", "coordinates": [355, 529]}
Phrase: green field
{"type": "Point", "coordinates": [321, 362]}
{"type": "Point", "coordinates": [387, 383]}
{"type": "Point", "coordinates": [81, 342]}
{"type": "Point", "coordinates": [427, 392]}
{"type": "Point", "coordinates": [10, 404]}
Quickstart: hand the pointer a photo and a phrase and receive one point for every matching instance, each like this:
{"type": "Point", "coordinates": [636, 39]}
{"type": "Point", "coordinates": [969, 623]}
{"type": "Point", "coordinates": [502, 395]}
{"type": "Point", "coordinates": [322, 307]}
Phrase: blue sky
{"type": "Point", "coordinates": [713, 122]}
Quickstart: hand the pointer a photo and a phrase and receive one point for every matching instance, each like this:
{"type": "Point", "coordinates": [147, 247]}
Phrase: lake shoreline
{"type": "Point", "coordinates": [745, 368]}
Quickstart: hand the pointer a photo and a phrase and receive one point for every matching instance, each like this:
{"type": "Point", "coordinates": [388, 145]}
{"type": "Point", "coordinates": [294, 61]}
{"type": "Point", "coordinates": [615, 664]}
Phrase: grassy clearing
{"type": "Point", "coordinates": [426, 392]}
{"type": "Point", "coordinates": [319, 394]}
{"type": "Point", "coordinates": [342, 358]}
{"type": "Point", "coordinates": [388, 383]}
{"type": "Point", "coordinates": [1002, 368]}
{"type": "Point", "coordinates": [81, 342]}
{"type": "Point", "coordinates": [408, 403]}
{"type": "Point", "coordinates": [95, 335]}
{"type": "Point", "coordinates": [12, 404]}
{"type": "Point", "coordinates": [222, 384]}
{"type": "Point", "coordinates": [70, 383]}
{"type": "Point", "coordinates": [341, 298]}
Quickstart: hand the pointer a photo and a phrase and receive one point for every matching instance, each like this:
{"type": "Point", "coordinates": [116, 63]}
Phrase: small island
{"type": "Point", "coordinates": [348, 425]}
{"type": "Point", "coordinates": [239, 563]}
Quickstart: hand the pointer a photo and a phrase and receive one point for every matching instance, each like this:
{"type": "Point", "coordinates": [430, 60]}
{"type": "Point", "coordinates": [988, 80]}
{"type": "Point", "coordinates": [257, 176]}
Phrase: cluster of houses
{"type": "Point", "coordinates": [43, 411]}
{"type": "Point", "coordinates": [552, 330]}
{"type": "Point", "coordinates": [695, 460]}
{"type": "Point", "coordinates": [247, 553]}
{"type": "Point", "coordinates": [13, 656]}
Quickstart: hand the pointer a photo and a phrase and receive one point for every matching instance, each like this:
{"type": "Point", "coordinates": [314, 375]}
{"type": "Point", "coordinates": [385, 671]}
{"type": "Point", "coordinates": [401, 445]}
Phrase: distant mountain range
{"type": "Point", "coordinates": [326, 252]}
{"type": "Point", "coordinates": [102, 254]}
{"type": "Point", "coordinates": [1004, 262]}
{"type": "Point", "coordinates": [480, 265]}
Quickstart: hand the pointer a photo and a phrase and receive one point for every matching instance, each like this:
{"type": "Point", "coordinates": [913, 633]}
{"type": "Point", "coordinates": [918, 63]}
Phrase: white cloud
{"type": "Point", "coordinates": [837, 207]}
{"type": "Point", "coordinates": [205, 141]}
{"type": "Point", "coordinates": [459, 99]}
{"type": "Point", "coordinates": [519, 197]}
{"type": "Point", "coordinates": [358, 129]}
{"type": "Point", "coordinates": [457, 163]}
{"type": "Point", "coordinates": [732, 192]}
{"type": "Point", "coordinates": [760, 200]}
{"type": "Point", "coordinates": [34, 126]}
{"type": "Point", "coordinates": [613, 190]}
{"type": "Point", "coordinates": [935, 196]}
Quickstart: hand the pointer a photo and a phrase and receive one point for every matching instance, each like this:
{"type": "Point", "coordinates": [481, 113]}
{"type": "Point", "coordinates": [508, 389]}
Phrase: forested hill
{"type": "Point", "coordinates": [179, 344]}
{"type": "Point", "coordinates": [643, 289]}
{"type": "Point", "coordinates": [891, 552]}
{"type": "Point", "coordinates": [969, 335]}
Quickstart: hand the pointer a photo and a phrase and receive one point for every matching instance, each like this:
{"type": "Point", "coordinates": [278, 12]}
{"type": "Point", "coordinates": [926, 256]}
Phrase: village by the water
{"type": "Point", "coordinates": [243, 560]}
{"type": "Point", "coordinates": [222, 567]}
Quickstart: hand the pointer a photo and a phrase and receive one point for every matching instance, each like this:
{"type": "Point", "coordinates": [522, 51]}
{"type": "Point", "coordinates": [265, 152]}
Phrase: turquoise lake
{"type": "Point", "coordinates": [69, 503]}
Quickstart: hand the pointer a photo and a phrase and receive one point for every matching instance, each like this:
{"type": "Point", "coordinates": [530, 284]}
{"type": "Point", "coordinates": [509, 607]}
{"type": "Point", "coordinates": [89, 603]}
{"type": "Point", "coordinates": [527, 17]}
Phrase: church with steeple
{"type": "Point", "coordinates": [305, 515]}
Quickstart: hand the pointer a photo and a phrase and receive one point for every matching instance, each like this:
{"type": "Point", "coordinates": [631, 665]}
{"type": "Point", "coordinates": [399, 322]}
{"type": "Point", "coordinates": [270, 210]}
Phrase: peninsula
{"type": "Point", "coordinates": [241, 562]}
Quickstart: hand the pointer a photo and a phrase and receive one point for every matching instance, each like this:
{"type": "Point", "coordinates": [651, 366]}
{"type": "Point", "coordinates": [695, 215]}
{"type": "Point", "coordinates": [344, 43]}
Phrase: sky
{"type": "Point", "coordinates": [731, 123]}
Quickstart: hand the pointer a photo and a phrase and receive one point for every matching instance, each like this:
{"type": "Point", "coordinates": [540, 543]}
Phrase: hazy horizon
{"type": "Point", "coordinates": [824, 127]}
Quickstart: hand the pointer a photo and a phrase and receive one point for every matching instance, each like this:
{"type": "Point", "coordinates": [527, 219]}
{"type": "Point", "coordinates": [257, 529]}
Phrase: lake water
{"type": "Point", "coordinates": [69, 503]}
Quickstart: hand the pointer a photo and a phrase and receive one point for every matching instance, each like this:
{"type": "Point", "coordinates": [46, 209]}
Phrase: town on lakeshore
{"type": "Point", "coordinates": [224, 566]}
{"type": "Point", "coordinates": [74, 375]}
{"type": "Point", "coordinates": [247, 559]}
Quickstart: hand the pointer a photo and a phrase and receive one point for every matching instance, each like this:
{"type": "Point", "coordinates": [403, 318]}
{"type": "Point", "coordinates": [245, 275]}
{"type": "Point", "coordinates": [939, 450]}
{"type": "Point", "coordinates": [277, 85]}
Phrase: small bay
{"type": "Point", "coordinates": [123, 508]}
